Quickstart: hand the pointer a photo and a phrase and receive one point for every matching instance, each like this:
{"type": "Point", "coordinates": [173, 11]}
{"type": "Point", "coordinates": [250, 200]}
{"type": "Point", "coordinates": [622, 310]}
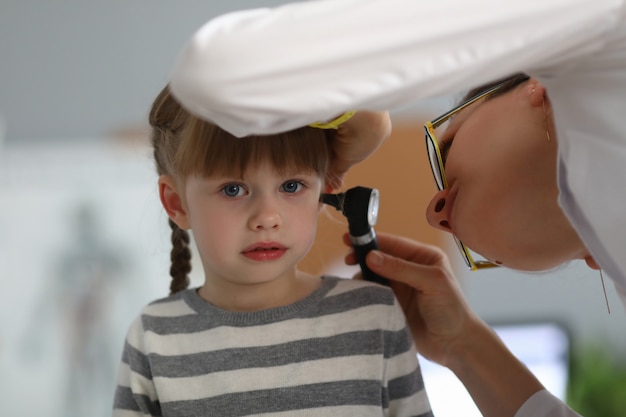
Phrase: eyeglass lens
{"type": "Point", "coordinates": [434, 159]}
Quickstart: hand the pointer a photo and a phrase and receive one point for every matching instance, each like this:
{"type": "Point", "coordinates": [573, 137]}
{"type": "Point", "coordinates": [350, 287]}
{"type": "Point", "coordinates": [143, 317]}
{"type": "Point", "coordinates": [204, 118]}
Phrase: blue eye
{"type": "Point", "coordinates": [292, 186]}
{"type": "Point", "coordinates": [233, 190]}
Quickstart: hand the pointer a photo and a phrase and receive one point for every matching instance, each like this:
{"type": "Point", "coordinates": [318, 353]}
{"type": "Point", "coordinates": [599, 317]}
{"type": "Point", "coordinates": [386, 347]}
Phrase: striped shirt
{"type": "Point", "coordinates": [345, 350]}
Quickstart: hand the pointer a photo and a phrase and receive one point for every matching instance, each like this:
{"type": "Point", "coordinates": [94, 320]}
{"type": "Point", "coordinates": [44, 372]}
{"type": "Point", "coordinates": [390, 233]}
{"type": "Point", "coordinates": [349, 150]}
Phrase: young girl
{"type": "Point", "coordinates": [259, 337]}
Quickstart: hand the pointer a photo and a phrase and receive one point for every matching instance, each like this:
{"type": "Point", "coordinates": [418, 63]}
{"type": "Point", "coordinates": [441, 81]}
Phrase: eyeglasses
{"type": "Point", "coordinates": [439, 172]}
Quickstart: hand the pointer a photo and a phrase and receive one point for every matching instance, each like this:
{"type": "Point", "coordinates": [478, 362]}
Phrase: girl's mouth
{"type": "Point", "coordinates": [264, 251]}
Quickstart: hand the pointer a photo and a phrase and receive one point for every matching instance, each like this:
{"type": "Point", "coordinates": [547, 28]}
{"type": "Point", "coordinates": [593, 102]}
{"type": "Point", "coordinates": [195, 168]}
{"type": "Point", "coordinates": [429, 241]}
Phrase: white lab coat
{"type": "Point", "coordinates": [269, 70]}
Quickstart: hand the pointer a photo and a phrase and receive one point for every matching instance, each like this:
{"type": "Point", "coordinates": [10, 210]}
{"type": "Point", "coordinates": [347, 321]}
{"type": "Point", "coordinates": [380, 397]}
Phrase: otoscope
{"type": "Point", "coordinates": [360, 206]}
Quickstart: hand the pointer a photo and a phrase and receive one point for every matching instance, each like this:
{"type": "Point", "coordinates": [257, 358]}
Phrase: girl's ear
{"type": "Point", "coordinates": [172, 201]}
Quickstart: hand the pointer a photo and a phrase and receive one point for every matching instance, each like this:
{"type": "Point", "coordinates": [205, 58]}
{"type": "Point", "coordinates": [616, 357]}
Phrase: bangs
{"type": "Point", "coordinates": [207, 150]}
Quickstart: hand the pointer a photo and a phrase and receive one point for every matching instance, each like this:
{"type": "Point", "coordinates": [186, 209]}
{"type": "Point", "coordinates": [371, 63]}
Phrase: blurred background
{"type": "Point", "coordinates": [84, 243]}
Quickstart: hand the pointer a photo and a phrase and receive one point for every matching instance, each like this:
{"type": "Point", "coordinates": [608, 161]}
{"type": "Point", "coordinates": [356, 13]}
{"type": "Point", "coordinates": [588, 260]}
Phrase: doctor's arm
{"type": "Point", "coordinates": [270, 70]}
{"type": "Point", "coordinates": [448, 332]}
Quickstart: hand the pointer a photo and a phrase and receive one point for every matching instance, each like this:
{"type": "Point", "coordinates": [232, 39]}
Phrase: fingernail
{"type": "Point", "coordinates": [440, 204]}
{"type": "Point", "coordinates": [376, 258]}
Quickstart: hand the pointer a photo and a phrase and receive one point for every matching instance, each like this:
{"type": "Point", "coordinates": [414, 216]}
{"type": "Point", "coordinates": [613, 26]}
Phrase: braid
{"type": "Point", "coordinates": [168, 120]}
{"type": "Point", "coordinates": [181, 259]}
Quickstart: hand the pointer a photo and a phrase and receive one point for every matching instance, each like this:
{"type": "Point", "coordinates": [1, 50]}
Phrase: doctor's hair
{"type": "Point", "coordinates": [185, 145]}
{"type": "Point", "coordinates": [510, 83]}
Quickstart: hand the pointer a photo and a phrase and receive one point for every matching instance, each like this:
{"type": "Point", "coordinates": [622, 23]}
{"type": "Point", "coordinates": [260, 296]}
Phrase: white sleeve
{"type": "Point", "coordinates": [544, 404]}
{"type": "Point", "coordinates": [268, 70]}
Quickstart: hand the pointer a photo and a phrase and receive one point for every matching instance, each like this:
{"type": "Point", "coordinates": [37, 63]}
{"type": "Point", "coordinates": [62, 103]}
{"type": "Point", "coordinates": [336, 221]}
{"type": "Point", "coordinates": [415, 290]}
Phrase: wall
{"type": "Point", "coordinates": [72, 69]}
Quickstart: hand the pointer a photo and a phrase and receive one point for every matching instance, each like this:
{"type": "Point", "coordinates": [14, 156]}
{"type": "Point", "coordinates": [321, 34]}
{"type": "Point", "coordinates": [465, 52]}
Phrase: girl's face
{"type": "Point", "coordinates": [501, 199]}
{"type": "Point", "coordinates": [255, 229]}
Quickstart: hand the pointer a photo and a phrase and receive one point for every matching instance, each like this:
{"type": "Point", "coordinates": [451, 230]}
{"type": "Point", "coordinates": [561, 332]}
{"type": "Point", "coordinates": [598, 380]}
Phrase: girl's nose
{"type": "Point", "coordinates": [437, 213]}
{"type": "Point", "coordinates": [266, 215]}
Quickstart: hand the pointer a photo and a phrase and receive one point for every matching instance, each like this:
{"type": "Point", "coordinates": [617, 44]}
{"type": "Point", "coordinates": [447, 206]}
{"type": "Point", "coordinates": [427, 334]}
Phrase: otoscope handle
{"type": "Point", "coordinates": [362, 245]}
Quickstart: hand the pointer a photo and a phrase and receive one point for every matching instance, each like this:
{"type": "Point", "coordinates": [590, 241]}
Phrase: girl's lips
{"type": "Point", "coordinates": [260, 246]}
{"type": "Point", "coordinates": [264, 251]}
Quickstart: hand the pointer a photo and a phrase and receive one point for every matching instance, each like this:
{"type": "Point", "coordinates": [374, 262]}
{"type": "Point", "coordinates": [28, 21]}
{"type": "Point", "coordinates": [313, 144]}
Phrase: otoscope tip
{"type": "Point", "coordinates": [334, 200]}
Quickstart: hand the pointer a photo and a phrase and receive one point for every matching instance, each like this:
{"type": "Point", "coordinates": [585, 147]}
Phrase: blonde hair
{"type": "Point", "coordinates": [185, 145]}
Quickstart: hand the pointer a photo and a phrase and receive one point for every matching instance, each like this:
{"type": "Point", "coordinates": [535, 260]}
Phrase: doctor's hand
{"type": "Point", "coordinates": [421, 277]}
{"type": "Point", "coordinates": [354, 141]}
{"type": "Point", "coordinates": [446, 330]}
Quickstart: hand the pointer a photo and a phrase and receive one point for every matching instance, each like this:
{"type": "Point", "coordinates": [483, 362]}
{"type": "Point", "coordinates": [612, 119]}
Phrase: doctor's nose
{"type": "Point", "coordinates": [437, 213]}
{"type": "Point", "coordinates": [266, 215]}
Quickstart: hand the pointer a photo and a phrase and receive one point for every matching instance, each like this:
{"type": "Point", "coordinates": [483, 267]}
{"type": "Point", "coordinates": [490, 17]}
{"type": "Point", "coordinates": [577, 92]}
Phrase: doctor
{"type": "Point", "coordinates": [540, 153]}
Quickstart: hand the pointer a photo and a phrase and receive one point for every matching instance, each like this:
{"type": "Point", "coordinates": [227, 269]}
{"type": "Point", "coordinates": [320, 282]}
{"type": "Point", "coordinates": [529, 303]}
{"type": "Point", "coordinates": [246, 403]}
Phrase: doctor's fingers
{"type": "Point", "coordinates": [419, 265]}
{"type": "Point", "coordinates": [424, 267]}
{"type": "Point", "coordinates": [354, 141]}
{"type": "Point", "coordinates": [412, 250]}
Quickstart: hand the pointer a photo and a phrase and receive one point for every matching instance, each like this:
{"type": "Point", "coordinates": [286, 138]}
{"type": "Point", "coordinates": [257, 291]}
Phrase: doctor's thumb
{"type": "Point", "coordinates": [375, 258]}
{"type": "Point", "coordinates": [393, 268]}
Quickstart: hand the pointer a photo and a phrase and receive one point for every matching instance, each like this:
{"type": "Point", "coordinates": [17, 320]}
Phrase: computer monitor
{"type": "Point", "coordinates": [543, 347]}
